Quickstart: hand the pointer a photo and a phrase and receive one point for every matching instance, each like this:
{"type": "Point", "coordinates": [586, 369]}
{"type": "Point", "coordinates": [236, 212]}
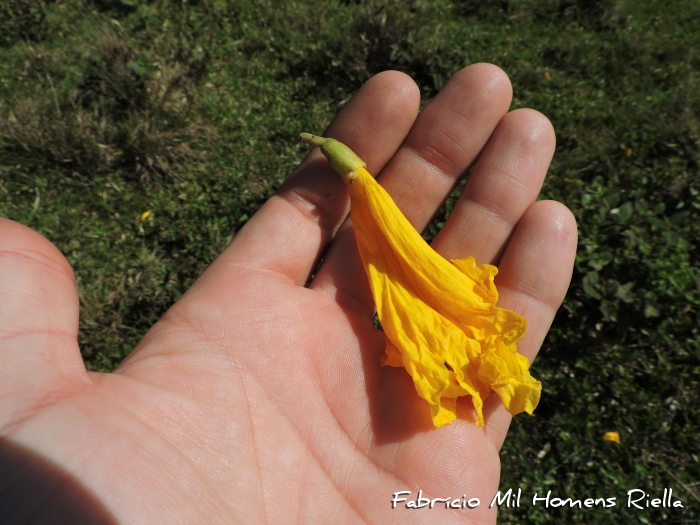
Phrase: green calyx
{"type": "Point", "coordinates": [341, 158]}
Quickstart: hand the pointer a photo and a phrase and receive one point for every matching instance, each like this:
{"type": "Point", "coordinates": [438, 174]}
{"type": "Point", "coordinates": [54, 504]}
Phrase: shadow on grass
{"type": "Point", "coordinates": [130, 110]}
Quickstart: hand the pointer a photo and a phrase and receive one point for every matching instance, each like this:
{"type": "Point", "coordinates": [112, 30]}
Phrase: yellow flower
{"type": "Point", "coordinates": [612, 436]}
{"type": "Point", "coordinates": [145, 215]}
{"type": "Point", "coordinates": [439, 317]}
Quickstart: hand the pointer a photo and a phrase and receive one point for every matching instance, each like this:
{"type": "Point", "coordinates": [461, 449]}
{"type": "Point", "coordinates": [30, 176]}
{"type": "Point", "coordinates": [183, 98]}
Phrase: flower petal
{"type": "Point", "coordinates": [612, 436]}
{"type": "Point", "coordinates": [439, 316]}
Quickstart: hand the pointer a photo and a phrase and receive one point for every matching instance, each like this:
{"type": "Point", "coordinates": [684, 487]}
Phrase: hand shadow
{"type": "Point", "coordinates": [34, 490]}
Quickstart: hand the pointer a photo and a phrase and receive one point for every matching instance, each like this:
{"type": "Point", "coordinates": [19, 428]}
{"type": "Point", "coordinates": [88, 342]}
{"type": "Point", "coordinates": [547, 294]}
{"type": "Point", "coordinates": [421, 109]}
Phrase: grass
{"type": "Point", "coordinates": [192, 110]}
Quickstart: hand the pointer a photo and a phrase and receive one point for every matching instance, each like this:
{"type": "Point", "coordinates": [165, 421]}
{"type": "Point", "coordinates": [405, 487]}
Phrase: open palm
{"type": "Point", "coordinates": [258, 397]}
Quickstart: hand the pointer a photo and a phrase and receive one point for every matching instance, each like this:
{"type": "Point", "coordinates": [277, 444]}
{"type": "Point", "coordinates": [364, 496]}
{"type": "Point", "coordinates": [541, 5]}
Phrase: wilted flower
{"type": "Point", "coordinates": [440, 317]}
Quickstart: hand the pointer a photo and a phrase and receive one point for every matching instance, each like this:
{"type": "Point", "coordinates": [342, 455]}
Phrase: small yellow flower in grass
{"type": "Point", "coordinates": [612, 436]}
{"type": "Point", "coordinates": [439, 317]}
{"type": "Point", "coordinates": [548, 75]}
{"type": "Point", "coordinates": [145, 215]}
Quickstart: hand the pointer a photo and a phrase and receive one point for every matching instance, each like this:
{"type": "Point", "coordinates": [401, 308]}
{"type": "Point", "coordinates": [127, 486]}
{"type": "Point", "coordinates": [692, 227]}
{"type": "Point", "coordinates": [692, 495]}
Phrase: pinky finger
{"type": "Point", "coordinates": [533, 277]}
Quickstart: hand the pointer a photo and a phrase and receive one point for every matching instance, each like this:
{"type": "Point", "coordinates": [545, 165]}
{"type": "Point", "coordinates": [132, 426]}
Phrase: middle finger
{"type": "Point", "coordinates": [446, 139]}
{"type": "Point", "coordinates": [504, 182]}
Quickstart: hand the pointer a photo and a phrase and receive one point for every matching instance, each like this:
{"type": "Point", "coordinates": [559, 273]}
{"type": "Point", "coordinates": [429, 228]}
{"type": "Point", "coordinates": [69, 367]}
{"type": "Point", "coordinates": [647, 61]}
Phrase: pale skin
{"type": "Point", "coordinates": [257, 399]}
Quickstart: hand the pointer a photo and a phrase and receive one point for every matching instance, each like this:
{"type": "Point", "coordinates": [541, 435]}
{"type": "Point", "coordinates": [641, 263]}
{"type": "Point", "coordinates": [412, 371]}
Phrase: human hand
{"type": "Point", "coordinates": [258, 399]}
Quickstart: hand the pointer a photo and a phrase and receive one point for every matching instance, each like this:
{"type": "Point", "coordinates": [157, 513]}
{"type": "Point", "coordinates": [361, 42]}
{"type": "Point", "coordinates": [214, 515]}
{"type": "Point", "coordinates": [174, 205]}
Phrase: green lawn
{"type": "Point", "coordinates": [192, 110]}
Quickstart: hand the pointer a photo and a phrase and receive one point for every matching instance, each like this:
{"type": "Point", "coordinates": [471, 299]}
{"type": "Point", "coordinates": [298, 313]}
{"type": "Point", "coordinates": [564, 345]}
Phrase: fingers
{"type": "Point", "coordinates": [39, 354]}
{"type": "Point", "coordinates": [290, 232]}
{"type": "Point", "coordinates": [446, 139]}
{"type": "Point", "coordinates": [504, 183]}
{"type": "Point", "coordinates": [535, 271]}
{"type": "Point", "coordinates": [533, 277]}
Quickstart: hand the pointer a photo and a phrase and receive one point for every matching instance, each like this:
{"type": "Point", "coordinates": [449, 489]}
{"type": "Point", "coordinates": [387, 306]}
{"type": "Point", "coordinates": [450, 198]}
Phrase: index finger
{"type": "Point", "coordinates": [290, 232]}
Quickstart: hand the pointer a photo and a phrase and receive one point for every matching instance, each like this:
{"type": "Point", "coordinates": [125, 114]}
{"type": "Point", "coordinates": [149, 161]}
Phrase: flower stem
{"type": "Point", "coordinates": [343, 160]}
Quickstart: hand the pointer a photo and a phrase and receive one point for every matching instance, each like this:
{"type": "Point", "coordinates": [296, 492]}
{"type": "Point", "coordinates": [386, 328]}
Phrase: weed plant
{"type": "Point", "coordinates": [192, 110]}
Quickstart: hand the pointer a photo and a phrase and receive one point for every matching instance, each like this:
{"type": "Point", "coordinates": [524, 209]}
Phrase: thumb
{"type": "Point", "coordinates": [40, 361]}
